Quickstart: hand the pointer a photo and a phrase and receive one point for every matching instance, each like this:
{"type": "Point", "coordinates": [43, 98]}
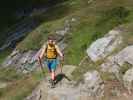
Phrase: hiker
{"type": "Point", "coordinates": [51, 51]}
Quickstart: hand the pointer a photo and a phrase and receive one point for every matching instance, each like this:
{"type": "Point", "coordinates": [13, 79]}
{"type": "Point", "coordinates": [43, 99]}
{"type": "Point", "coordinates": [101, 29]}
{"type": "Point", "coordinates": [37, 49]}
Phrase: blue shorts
{"type": "Point", "coordinates": [52, 64]}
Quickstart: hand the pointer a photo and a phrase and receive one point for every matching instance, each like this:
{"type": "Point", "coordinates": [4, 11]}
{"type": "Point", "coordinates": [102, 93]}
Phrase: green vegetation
{"type": "Point", "coordinates": [9, 74]}
{"type": "Point", "coordinates": [19, 86]}
{"type": "Point", "coordinates": [80, 70]}
{"type": "Point", "coordinates": [4, 54]}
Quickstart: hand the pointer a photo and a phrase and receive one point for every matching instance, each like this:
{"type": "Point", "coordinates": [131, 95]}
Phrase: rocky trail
{"type": "Point", "coordinates": [65, 89]}
{"type": "Point", "coordinates": [113, 59]}
{"type": "Point", "coordinates": [93, 88]}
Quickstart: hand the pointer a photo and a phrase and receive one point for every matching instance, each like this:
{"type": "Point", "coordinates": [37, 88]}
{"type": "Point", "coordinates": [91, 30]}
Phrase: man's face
{"type": "Point", "coordinates": [50, 41]}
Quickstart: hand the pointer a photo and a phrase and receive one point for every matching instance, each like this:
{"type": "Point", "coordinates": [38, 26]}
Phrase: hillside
{"type": "Point", "coordinates": [96, 38]}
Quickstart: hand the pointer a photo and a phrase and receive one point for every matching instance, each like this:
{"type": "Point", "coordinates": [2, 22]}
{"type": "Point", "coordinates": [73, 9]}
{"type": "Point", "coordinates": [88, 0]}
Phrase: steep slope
{"type": "Point", "coordinates": [77, 24]}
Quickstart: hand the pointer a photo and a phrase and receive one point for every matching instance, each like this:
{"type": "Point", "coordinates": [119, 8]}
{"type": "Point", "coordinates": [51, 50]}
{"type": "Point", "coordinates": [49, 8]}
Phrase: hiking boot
{"type": "Point", "coordinates": [52, 83]}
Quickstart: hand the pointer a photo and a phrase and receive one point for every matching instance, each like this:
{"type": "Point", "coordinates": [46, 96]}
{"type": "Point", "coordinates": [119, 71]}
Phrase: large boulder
{"type": "Point", "coordinates": [126, 55]}
{"type": "Point", "coordinates": [102, 47]}
{"type": "Point", "coordinates": [128, 79]}
{"type": "Point", "coordinates": [114, 63]}
{"type": "Point", "coordinates": [110, 65]}
{"type": "Point", "coordinates": [93, 84]}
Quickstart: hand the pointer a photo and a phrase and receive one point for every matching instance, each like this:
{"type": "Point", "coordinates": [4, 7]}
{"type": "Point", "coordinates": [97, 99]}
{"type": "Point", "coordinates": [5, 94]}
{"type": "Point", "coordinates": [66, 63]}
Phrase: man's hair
{"type": "Point", "coordinates": [51, 37]}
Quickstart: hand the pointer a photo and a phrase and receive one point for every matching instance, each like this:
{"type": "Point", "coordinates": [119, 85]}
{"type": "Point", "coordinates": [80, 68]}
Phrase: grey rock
{"type": "Point", "coordinates": [115, 92]}
{"type": "Point", "coordinates": [128, 80]}
{"type": "Point", "coordinates": [126, 55]}
{"type": "Point", "coordinates": [68, 92]}
{"type": "Point", "coordinates": [93, 84]}
{"type": "Point", "coordinates": [115, 62]}
{"type": "Point", "coordinates": [102, 47]}
{"type": "Point", "coordinates": [23, 62]}
{"type": "Point", "coordinates": [110, 65]}
{"type": "Point", "coordinates": [63, 90]}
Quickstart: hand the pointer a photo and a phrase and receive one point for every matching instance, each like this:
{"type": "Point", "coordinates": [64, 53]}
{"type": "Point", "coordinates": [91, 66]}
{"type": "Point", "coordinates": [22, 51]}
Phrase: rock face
{"type": "Point", "coordinates": [104, 46]}
{"type": "Point", "coordinates": [21, 61]}
{"type": "Point", "coordinates": [128, 80]}
{"type": "Point", "coordinates": [114, 63]}
{"type": "Point", "coordinates": [126, 55]}
{"type": "Point", "coordinates": [93, 86]}
{"type": "Point", "coordinates": [110, 66]}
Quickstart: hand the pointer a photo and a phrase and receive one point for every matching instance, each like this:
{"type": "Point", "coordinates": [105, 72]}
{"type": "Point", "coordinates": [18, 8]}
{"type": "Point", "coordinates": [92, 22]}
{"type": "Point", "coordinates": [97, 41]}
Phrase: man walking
{"type": "Point", "coordinates": [51, 51]}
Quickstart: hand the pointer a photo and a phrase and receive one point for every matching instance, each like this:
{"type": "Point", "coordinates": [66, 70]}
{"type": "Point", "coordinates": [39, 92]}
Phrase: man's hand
{"type": "Point", "coordinates": [62, 58]}
{"type": "Point", "coordinates": [38, 58]}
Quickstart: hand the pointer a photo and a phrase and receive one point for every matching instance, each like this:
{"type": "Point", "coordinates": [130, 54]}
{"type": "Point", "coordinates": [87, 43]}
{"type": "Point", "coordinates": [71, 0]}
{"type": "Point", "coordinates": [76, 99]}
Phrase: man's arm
{"type": "Point", "coordinates": [59, 51]}
{"type": "Point", "coordinates": [42, 51]}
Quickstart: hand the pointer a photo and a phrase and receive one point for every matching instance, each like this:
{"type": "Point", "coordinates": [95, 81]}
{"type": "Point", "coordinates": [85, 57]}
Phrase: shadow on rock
{"type": "Point", "coordinates": [60, 76]}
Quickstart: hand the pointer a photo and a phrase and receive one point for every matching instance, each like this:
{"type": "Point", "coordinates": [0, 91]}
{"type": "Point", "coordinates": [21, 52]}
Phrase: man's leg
{"type": "Point", "coordinates": [49, 67]}
{"type": "Point", "coordinates": [50, 70]}
{"type": "Point", "coordinates": [53, 74]}
{"type": "Point", "coordinates": [53, 68]}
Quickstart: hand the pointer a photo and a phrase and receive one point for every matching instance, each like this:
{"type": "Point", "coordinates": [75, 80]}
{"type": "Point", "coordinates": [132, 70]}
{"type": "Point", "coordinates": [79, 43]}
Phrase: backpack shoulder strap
{"type": "Point", "coordinates": [46, 48]}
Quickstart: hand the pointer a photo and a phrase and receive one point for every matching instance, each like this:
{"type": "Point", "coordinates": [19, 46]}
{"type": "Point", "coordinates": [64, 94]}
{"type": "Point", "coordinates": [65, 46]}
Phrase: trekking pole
{"type": "Point", "coordinates": [41, 65]}
{"type": "Point", "coordinates": [61, 65]}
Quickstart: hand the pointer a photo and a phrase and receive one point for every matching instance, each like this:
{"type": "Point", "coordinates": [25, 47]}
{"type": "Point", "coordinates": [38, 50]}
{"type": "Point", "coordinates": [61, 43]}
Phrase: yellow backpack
{"type": "Point", "coordinates": [51, 52]}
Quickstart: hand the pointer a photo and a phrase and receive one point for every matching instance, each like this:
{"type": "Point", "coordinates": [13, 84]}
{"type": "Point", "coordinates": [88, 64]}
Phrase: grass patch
{"type": "Point", "coordinates": [80, 70]}
{"type": "Point", "coordinates": [4, 54]}
{"type": "Point", "coordinates": [125, 67]}
{"type": "Point", "coordinates": [107, 76]}
{"type": "Point", "coordinates": [9, 74]}
{"type": "Point", "coordinates": [21, 88]}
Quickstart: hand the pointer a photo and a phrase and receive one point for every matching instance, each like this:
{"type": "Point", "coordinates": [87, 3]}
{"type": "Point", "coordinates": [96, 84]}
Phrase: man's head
{"type": "Point", "coordinates": [51, 40]}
